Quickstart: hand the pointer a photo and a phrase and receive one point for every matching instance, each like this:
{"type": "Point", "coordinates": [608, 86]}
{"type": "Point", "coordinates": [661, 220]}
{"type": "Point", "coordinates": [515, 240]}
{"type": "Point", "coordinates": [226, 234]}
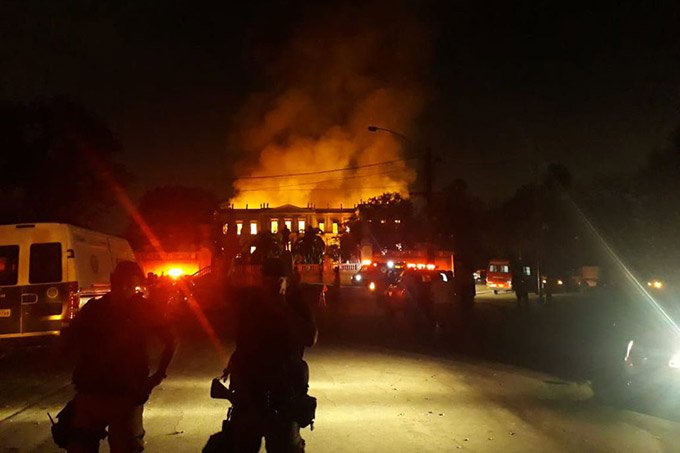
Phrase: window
{"type": "Point", "coordinates": [322, 226]}
{"type": "Point", "coordinates": [275, 226]}
{"type": "Point", "coordinates": [301, 225]}
{"type": "Point", "coordinates": [9, 264]}
{"type": "Point", "coordinates": [239, 228]}
{"type": "Point", "coordinates": [502, 268]}
{"type": "Point", "coordinates": [289, 225]}
{"type": "Point", "coordinates": [526, 270]}
{"type": "Point", "coordinates": [335, 228]}
{"type": "Point", "coordinates": [253, 228]}
{"type": "Point", "coordinates": [45, 263]}
{"type": "Point", "coordinates": [225, 228]}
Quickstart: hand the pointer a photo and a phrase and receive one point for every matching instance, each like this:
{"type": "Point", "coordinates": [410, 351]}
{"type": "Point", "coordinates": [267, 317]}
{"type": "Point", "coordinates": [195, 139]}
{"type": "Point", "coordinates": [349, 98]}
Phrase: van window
{"type": "Point", "coordinates": [9, 264]}
{"type": "Point", "coordinates": [45, 263]}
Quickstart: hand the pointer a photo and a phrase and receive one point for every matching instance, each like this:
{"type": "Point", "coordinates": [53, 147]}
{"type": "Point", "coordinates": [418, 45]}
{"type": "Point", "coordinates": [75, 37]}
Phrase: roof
{"type": "Point", "coordinates": [225, 206]}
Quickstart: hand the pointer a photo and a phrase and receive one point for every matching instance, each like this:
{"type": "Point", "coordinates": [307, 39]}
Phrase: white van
{"type": "Point", "coordinates": [48, 270]}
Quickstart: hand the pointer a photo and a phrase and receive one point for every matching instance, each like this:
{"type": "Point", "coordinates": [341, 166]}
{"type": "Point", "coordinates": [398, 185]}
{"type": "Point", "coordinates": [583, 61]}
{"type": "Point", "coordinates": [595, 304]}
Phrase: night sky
{"type": "Point", "coordinates": [506, 86]}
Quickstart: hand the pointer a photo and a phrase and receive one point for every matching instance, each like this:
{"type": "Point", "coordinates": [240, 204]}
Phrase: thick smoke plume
{"type": "Point", "coordinates": [340, 72]}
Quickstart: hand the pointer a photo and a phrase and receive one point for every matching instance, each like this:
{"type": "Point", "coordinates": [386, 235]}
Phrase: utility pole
{"type": "Point", "coordinates": [428, 177]}
{"type": "Point", "coordinates": [428, 182]}
{"type": "Point", "coordinates": [428, 173]}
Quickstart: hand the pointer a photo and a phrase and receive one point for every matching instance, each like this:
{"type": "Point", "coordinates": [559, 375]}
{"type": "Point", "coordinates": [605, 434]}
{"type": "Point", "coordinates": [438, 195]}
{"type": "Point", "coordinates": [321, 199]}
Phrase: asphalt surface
{"type": "Point", "coordinates": [381, 386]}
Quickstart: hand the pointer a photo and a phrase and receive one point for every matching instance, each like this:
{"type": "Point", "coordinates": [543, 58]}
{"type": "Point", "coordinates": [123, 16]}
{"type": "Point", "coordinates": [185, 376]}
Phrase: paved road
{"type": "Point", "coordinates": [377, 392]}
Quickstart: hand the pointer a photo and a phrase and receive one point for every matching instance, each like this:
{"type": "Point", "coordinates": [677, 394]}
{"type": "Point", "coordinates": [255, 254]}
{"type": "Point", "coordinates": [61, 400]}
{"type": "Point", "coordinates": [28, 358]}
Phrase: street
{"type": "Point", "coordinates": [378, 389]}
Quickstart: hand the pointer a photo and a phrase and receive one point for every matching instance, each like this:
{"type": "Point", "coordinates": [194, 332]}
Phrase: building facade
{"type": "Point", "coordinates": [246, 223]}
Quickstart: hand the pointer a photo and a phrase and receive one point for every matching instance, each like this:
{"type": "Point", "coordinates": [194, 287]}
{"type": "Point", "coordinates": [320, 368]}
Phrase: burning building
{"type": "Point", "coordinates": [247, 222]}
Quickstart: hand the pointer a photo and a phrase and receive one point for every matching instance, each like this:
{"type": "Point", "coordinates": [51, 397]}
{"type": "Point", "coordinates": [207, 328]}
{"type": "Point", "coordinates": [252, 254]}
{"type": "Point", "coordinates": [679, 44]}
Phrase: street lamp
{"type": "Point", "coordinates": [399, 135]}
{"type": "Point", "coordinates": [428, 178]}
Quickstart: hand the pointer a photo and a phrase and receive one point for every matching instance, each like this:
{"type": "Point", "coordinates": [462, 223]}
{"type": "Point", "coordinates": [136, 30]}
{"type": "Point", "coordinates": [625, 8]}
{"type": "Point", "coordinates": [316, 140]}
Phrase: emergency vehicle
{"type": "Point", "coordinates": [48, 270]}
{"type": "Point", "coordinates": [499, 275]}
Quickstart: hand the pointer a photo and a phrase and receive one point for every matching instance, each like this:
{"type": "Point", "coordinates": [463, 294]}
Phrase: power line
{"type": "Point", "coordinates": [311, 183]}
{"type": "Point", "coordinates": [302, 189]}
{"type": "Point", "coordinates": [310, 173]}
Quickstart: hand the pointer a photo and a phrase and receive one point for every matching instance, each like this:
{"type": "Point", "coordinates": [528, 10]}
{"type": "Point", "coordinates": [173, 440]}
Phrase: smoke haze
{"type": "Point", "coordinates": [340, 71]}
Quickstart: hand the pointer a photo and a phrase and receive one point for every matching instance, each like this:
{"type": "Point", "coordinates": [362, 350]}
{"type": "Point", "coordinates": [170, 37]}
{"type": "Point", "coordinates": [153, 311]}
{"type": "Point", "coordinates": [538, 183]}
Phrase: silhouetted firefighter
{"type": "Point", "coordinates": [109, 337]}
{"type": "Point", "coordinates": [268, 376]}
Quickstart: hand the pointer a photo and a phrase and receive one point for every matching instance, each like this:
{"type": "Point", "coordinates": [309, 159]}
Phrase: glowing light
{"type": "Point", "coordinates": [322, 226]}
{"type": "Point", "coordinates": [656, 284]}
{"type": "Point", "coordinates": [239, 228]}
{"type": "Point", "coordinates": [358, 277]}
{"type": "Point", "coordinates": [253, 228]}
{"type": "Point", "coordinates": [366, 262]}
{"type": "Point", "coordinates": [628, 349]}
{"type": "Point", "coordinates": [371, 286]}
{"type": "Point", "coordinates": [175, 272]}
{"type": "Point", "coordinates": [335, 228]}
{"type": "Point", "coordinates": [430, 267]}
{"type": "Point", "coordinates": [560, 282]}
{"type": "Point", "coordinates": [390, 264]}
{"type": "Point", "coordinates": [301, 225]}
{"type": "Point", "coordinates": [275, 226]}
{"type": "Point", "coordinates": [411, 265]}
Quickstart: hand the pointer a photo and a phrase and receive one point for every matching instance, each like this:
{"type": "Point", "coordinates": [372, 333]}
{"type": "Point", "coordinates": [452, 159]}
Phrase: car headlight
{"type": "Point", "coordinates": [674, 362]}
{"type": "Point", "coordinates": [560, 282]}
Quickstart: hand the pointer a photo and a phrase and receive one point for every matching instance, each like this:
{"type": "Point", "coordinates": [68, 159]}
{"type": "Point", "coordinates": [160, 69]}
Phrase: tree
{"type": "Point", "coordinates": [457, 222]}
{"type": "Point", "coordinates": [267, 245]}
{"type": "Point", "coordinates": [386, 220]}
{"type": "Point", "coordinates": [309, 247]}
{"type": "Point", "coordinates": [637, 213]}
{"type": "Point", "coordinates": [57, 163]}
{"type": "Point", "coordinates": [174, 214]}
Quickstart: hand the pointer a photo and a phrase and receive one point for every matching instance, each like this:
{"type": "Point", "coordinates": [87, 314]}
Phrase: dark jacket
{"type": "Point", "coordinates": [271, 334]}
{"type": "Point", "coordinates": [110, 341]}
